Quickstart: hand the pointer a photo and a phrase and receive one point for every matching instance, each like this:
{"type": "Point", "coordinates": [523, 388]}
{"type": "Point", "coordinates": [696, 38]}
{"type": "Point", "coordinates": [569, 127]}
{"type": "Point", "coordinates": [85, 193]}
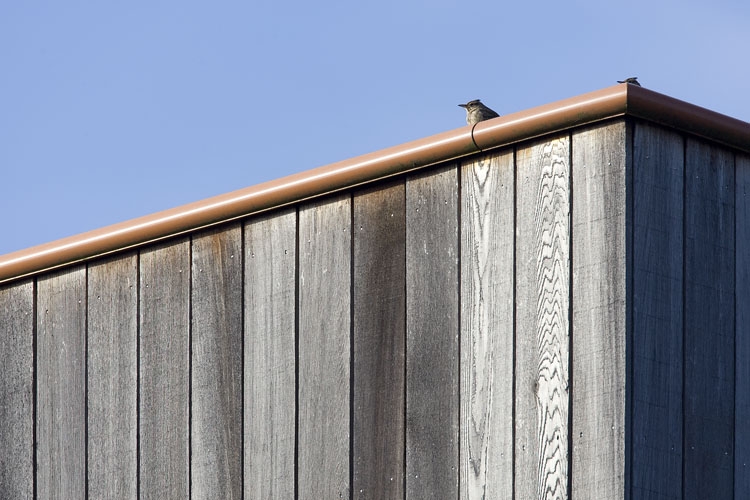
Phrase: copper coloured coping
{"type": "Point", "coordinates": [615, 101]}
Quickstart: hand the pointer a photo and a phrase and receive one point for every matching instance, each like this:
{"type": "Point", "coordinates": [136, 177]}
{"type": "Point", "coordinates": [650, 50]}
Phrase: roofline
{"type": "Point", "coordinates": [618, 100]}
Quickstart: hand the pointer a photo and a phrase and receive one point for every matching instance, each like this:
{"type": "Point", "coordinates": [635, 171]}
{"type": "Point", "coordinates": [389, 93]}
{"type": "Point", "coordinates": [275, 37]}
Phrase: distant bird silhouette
{"type": "Point", "coordinates": [633, 80]}
{"type": "Point", "coordinates": [477, 112]}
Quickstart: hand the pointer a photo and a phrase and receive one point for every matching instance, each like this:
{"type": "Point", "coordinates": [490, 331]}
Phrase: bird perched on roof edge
{"type": "Point", "coordinates": [633, 80]}
{"type": "Point", "coordinates": [477, 112]}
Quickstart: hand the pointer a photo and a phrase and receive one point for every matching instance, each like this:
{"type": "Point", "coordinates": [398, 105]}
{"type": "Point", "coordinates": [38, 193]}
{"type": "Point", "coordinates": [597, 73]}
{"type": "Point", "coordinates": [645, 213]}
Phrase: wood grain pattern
{"type": "Point", "coordinates": [600, 183]}
{"type": "Point", "coordinates": [742, 335]}
{"type": "Point", "coordinates": [270, 392]}
{"type": "Point", "coordinates": [709, 322]}
{"type": "Point", "coordinates": [61, 384]}
{"type": "Point", "coordinates": [379, 336]}
{"type": "Point", "coordinates": [164, 347]}
{"type": "Point", "coordinates": [432, 326]}
{"type": "Point", "coordinates": [113, 378]}
{"type": "Point", "coordinates": [658, 169]}
{"type": "Point", "coordinates": [216, 365]}
{"type": "Point", "coordinates": [487, 229]}
{"type": "Point", "coordinates": [542, 319]}
{"type": "Point", "coordinates": [324, 348]}
{"type": "Point", "coordinates": [17, 390]}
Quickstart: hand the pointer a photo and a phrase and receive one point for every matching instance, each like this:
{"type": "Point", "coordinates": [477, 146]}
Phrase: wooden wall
{"type": "Point", "coordinates": [690, 309]}
{"type": "Point", "coordinates": [561, 319]}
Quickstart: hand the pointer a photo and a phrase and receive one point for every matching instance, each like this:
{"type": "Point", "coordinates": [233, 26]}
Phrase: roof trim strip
{"type": "Point", "coordinates": [611, 102]}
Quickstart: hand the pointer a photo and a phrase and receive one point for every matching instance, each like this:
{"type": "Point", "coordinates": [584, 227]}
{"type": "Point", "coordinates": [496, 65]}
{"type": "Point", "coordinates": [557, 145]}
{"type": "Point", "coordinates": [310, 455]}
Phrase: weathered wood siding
{"type": "Point", "coordinates": [17, 353]}
{"type": "Point", "coordinates": [164, 371]}
{"type": "Point", "coordinates": [216, 365]}
{"type": "Point", "coordinates": [113, 378]}
{"type": "Point", "coordinates": [270, 416]}
{"type": "Point", "coordinates": [324, 348]}
{"type": "Point", "coordinates": [487, 282]}
{"type": "Point", "coordinates": [432, 357]}
{"type": "Point", "coordinates": [657, 361]}
{"type": "Point", "coordinates": [61, 384]}
{"type": "Point", "coordinates": [598, 303]}
{"type": "Point", "coordinates": [542, 327]}
{"type": "Point", "coordinates": [562, 319]}
{"type": "Point", "coordinates": [379, 337]}
{"type": "Point", "coordinates": [709, 322]}
{"type": "Point", "coordinates": [742, 335]}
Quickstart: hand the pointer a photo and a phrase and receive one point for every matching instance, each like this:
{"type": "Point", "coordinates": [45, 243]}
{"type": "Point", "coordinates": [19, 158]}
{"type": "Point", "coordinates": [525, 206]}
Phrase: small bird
{"type": "Point", "coordinates": [633, 80]}
{"type": "Point", "coordinates": [477, 112]}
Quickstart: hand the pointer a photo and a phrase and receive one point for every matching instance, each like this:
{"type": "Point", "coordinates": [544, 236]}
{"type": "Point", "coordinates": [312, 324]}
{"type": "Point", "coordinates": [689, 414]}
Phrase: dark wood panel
{"type": "Point", "coordinates": [599, 217]}
{"type": "Point", "coordinates": [432, 326]}
{"type": "Point", "coordinates": [709, 322]}
{"type": "Point", "coordinates": [324, 348]}
{"type": "Point", "coordinates": [61, 398]}
{"type": "Point", "coordinates": [17, 390]}
{"type": "Point", "coordinates": [216, 365]}
{"type": "Point", "coordinates": [379, 304]}
{"type": "Point", "coordinates": [113, 378]}
{"type": "Point", "coordinates": [742, 335]}
{"type": "Point", "coordinates": [164, 371]}
{"type": "Point", "coordinates": [486, 396]}
{"type": "Point", "coordinates": [270, 393]}
{"type": "Point", "coordinates": [542, 319]}
{"type": "Point", "coordinates": [658, 169]}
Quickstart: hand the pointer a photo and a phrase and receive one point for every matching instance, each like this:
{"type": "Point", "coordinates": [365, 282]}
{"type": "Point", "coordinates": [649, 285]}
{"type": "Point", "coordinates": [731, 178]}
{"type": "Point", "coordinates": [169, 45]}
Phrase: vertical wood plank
{"type": "Point", "coordinates": [432, 361]}
{"type": "Point", "coordinates": [379, 305]}
{"type": "Point", "coordinates": [16, 390]}
{"type": "Point", "coordinates": [486, 396]}
{"type": "Point", "coordinates": [61, 384]}
{"type": "Point", "coordinates": [324, 348]}
{"type": "Point", "coordinates": [216, 365]}
{"type": "Point", "coordinates": [270, 393]}
{"type": "Point", "coordinates": [658, 169]}
{"type": "Point", "coordinates": [709, 322]}
{"type": "Point", "coordinates": [742, 335]}
{"type": "Point", "coordinates": [112, 378]}
{"type": "Point", "coordinates": [164, 370]}
{"type": "Point", "coordinates": [542, 319]}
{"type": "Point", "coordinates": [600, 186]}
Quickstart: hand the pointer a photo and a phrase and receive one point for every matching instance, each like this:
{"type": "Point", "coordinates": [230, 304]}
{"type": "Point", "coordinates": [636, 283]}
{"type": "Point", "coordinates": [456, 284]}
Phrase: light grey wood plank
{"type": "Point", "coordinates": [658, 169]}
{"type": "Point", "coordinates": [600, 178]}
{"type": "Point", "coordinates": [17, 390]}
{"type": "Point", "coordinates": [270, 393]}
{"type": "Point", "coordinates": [324, 348]}
{"type": "Point", "coordinates": [164, 370]}
{"type": "Point", "coordinates": [742, 335]}
{"type": "Point", "coordinates": [113, 378]}
{"type": "Point", "coordinates": [432, 326]}
{"type": "Point", "coordinates": [61, 384]}
{"type": "Point", "coordinates": [487, 229]}
{"type": "Point", "coordinates": [216, 365]}
{"type": "Point", "coordinates": [379, 338]}
{"type": "Point", "coordinates": [542, 318]}
{"type": "Point", "coordinates": [709, 322]}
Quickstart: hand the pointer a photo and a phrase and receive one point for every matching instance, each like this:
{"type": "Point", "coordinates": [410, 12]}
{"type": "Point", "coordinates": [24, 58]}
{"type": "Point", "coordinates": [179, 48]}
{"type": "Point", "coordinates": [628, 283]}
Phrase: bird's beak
{"type": "Point", "coordinates": [462, 105]}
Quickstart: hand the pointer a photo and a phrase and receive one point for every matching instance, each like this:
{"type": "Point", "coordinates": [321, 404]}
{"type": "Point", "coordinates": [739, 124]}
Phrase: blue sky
{"type": "Point", "coordinates": [113, 110]}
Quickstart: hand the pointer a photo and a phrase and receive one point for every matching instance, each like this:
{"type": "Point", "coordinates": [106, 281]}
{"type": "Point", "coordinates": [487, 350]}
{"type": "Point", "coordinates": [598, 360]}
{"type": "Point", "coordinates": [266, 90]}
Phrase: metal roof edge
{"type": "Point", "coordinates": [611, 102]}
{"type": "Point", "coordinates": [685, 117]}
